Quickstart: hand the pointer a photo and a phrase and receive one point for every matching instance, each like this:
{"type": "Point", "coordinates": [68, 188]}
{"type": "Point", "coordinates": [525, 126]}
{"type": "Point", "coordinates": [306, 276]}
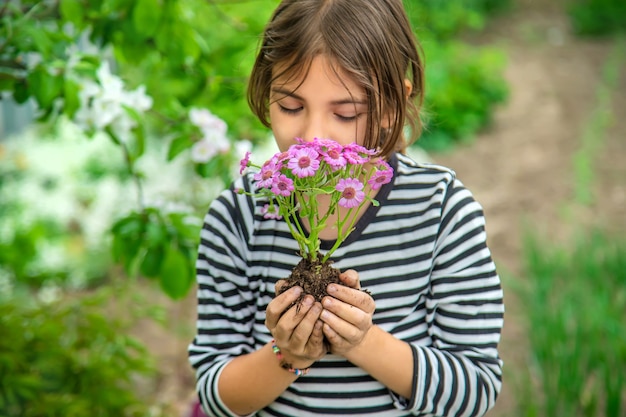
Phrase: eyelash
{"type": "Point", "coordinates": [296, 111]}
{"type": "Point", "coordinates": [288, 110]}
{"type": "Point", "coordinates": [347, 118]}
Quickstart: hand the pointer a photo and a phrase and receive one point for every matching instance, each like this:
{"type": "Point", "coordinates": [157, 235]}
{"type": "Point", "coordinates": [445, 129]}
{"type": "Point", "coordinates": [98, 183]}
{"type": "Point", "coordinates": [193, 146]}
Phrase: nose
{"type": "Point", "coordinates": [314, 127]}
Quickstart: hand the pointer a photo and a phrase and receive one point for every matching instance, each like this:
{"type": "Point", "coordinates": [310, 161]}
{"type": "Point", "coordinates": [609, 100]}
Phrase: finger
{"type": "Point", "coordinates": [356, 298]}
{"type": "Point", "coordinates": [350, 278]}
{"type": "Point", "coordinates": [336, 329]}
{"type": "Point", "coordinates": [334, 339]}
{"type": "Point", "coordinates": [279, 287]}
{"type": "Point", "coordinates": [317, 333]}
{"type": "Point", "coordinates": [291, 319]}
{"type": "Point", "coordinates": [276, 308]}
{"type": "Point", "coordinates": [336, 311]}
{"type": "Point", "coordinates": [304, 331]}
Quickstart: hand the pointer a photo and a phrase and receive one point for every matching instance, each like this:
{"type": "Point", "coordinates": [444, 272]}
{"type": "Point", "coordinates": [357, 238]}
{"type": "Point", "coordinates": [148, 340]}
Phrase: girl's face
{"type": "Point", "coordinates": [326, 104]}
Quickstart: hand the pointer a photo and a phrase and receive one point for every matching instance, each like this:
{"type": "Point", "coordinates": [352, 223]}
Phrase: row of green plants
{"type": "Point", "coordinates": [575, 302]}
{"type": "Point", "coordinates": [597, 17]}
{"type": "Point", "coordinates": [574, 295]}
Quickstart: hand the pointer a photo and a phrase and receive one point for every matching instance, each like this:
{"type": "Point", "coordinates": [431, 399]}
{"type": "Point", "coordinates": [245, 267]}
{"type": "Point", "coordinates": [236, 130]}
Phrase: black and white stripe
{"type": "Point", "coordinates": [422, 253]}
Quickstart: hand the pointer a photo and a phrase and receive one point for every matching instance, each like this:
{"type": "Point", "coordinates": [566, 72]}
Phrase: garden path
{"type": "Point", "coordinates": [522, 168]}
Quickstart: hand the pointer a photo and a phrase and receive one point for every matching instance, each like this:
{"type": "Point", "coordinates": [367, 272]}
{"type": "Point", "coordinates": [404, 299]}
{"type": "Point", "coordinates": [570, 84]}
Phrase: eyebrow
{"type": "Point", "coordinates": [288, 93]}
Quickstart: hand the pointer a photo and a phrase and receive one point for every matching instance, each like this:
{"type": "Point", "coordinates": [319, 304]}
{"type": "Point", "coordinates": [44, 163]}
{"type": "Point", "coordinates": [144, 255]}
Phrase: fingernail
{"type": "Point", "coordinates": [297, 290]}
{"type": "Point", "coordinates": [327, 302]}
{"type": "Point", "coordinates": [332, 288]}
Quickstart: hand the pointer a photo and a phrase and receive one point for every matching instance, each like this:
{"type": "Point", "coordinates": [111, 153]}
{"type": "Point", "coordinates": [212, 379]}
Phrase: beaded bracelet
{"type": "Point", "coordinates": [287, 366]}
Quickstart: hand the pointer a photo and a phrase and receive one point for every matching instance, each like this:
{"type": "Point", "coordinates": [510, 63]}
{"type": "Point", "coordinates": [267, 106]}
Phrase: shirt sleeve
{"type": "Point", "coordinates": [226, 297]}
{"type": "Point", "coordinates": [461, 373]}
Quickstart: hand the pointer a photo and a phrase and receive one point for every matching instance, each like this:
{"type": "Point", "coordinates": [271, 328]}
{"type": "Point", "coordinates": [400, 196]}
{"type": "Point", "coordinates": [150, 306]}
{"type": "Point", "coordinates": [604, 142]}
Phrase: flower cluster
{"type": "Point", "coordinates": [293, 181]}
{"type": "Point", "coordinates": [214, 139]}
{"type": "Point", "coordinates": [104, 103]}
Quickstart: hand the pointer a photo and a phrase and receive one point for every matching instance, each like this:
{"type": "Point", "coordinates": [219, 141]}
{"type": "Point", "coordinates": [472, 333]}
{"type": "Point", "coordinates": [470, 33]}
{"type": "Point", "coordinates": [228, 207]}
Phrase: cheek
{"type": "Point", "coordinates": [282, 129]}
{"type": "Point", "coordinates": [355, 132]}
{"type": "Point", "coordinates": [360, 131]}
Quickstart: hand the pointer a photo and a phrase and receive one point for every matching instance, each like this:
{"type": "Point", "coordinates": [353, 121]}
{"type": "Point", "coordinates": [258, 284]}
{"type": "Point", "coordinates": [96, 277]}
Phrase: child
{"type": "Point", "coordinates": [425, 341]}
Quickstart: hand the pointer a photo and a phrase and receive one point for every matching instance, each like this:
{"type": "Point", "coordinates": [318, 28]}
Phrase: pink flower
{"type": "Point", "coordinates": [351, 192]}
{"type": "Point", "coordinates": [332, 153]}
{"type": "Point", "coordinates": [265, 176]}
{"type": "Point", "coordinates": [270, 211]}
{"type": "Point", "coordinates": [304, 162]}
{"type": "Point", "coordinates": [381, 176]}
{"type": "Point", "coordinates": [280, 157]}
{"type": "Point", "coordinates": [244, 163]}
{"type": "Point", "coordinates": [354, 154]}
{"type": "Point", "coordinates": [355, 147]}
{"type": "Point", "coordinates": [282, 185]}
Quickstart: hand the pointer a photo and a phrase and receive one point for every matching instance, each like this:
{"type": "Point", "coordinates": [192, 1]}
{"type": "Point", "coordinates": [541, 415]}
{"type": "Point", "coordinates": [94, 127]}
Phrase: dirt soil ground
{"type": "Point", "coordinates": [520, 169]}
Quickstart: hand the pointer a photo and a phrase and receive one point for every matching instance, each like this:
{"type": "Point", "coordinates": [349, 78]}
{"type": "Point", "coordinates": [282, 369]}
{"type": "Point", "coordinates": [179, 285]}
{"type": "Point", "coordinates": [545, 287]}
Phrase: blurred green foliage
{"type": "Point", "coordinates": [71, 357]}
{"type": "Point", "coordinates": [575, 301]}
{"type": "Point", "coordinates": [187, 53]}
{"type": "Point", "coordinates": [445, 20]}
{"type": "Point", "coordinates": [158, 245]}
{"type": "Point", "coordinates": [464, 83]}
{"type": "Point", "coordinates": [597, 17]}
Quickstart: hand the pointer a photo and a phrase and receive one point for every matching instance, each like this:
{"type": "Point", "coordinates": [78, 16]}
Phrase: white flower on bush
{"type": "Point", "coordinates": [103, 103]}
{"type": "Point", "coordinates": [53, 184]}
{"type": "Point", "coordinates": [204, 150]}
{"type": "Point", "coordinates": [207, 121]}
{"type": "Point", "coordinates": [214, 139]}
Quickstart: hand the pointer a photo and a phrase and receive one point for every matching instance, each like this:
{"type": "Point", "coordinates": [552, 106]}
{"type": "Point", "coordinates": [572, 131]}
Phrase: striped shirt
{"type": "Point", "coordinates": [421, 253]}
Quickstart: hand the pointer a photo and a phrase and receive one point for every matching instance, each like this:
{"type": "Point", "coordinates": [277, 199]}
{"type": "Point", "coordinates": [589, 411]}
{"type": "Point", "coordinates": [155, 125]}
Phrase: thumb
{"type": "Point", "coordinates": [350, 278]}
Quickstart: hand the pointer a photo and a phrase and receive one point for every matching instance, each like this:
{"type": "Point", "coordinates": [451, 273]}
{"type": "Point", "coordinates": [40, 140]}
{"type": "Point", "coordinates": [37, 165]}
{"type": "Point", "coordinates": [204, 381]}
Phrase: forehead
{"type": "Point", "coordinates": [317, 71]}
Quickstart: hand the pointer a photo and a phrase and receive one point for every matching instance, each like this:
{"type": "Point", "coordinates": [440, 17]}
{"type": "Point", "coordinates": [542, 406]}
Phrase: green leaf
{"type": "Point", "coordinates": [44, 87]}
{"type": "Point", "coordinates": [73, 11]}
{"type": "Point", "coordinates": [175, 276]}
{"type": "Point", "coordinates": [72, 102]}
{"type": "Point", "coordinates": [7, 79]}
{"type": "Point", "coordinates": [152, 261]}
{"type": "Point", "coordinates": [127, 240]}
{"type": "Point", "coordinates": [128, 226]}
{"type": "Point", "coordinates": [147, 17]}
{"type": "Point", "coordinates": [20, 92]}
{"type": "Point", "coordinates": [40, 39]}
{"type": "Point", "coordinates": [178, 145]}
{"type": "Point", "coordinates": [189, 44]}
{"type": "Point", "coordinates": [156, 234]}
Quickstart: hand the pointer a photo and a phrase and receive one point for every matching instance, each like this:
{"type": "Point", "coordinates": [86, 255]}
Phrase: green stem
{"type": "Point", "coordinates": [298, 236]}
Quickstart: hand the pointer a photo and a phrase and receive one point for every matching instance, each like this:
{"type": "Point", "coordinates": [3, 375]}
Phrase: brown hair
{"type": "Point", "coordinates": [371, 40]}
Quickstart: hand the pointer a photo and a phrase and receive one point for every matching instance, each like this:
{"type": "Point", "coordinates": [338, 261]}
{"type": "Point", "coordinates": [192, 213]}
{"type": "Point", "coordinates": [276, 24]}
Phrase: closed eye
{"type": "Point", "coordinates": [289, 110]}
{"type": "Point", "coordinates": [347, 118]}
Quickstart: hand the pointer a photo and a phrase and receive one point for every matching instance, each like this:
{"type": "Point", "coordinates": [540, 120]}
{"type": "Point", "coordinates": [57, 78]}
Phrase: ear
{"type": "Point", "coordinates": [408, 89]}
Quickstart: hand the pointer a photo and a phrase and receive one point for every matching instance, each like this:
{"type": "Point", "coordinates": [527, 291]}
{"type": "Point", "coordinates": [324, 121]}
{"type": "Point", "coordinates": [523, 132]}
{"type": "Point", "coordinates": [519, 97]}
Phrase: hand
{"type": "Point", "coordinates": [296, 327]}
{"type": "Point", "coordinates": [347, 313]}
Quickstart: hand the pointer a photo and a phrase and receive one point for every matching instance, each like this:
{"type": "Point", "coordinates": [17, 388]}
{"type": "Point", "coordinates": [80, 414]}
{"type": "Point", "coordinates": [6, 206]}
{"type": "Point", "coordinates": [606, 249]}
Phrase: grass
{"type": "Point", "coordinates": [599, 122]}
{"type": "Point", "coordinates": [576, 304]}
{"type": "Point", "coordinates": [574, 294]}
